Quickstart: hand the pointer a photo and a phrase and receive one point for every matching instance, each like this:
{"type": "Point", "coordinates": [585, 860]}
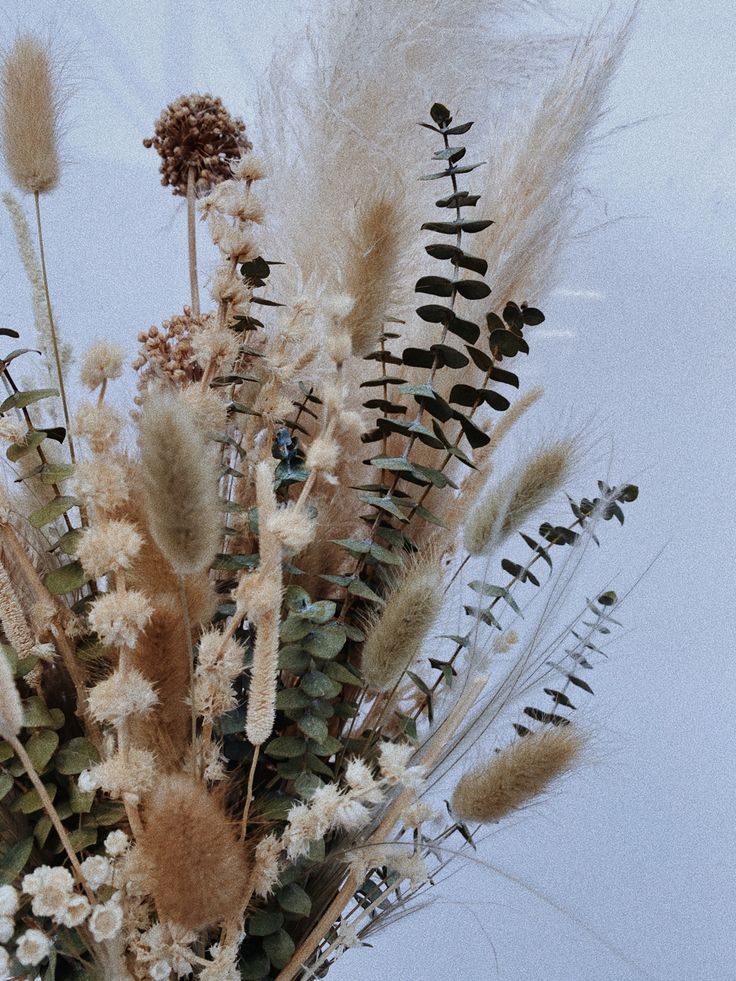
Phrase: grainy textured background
{"type": "Point", "coordinates": [638, 847]}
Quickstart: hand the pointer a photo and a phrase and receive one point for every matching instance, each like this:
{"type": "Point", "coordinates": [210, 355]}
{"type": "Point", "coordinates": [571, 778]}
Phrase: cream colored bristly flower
{"type": "Point", "coordinates": [393, 759]}
{"type": "Point", "coordinates": [106, 921]}
{"type": "Point", "coordinates": [119, 618]}
{"type": "Point", "coordinates": [123, 694]}
{"type": "Point", "coordinates": [32, 947]}
{"type": "Point", "coordinates": [108, 547]}
{"type": "Point", "coordinates": [102, 362]}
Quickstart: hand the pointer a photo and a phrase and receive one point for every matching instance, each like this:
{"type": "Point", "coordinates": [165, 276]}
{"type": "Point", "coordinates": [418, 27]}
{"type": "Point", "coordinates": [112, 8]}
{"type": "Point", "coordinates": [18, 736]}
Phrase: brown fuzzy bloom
{"type": "Point", "coordinates": [371, 269]}
{"type": "Point", "coordinates": [506, 506]}
{"type": "Point", "coordinates": [160, 656]}
{"type": "Point", "coordinates": [180, 484]}
{"type": "Point", "coordinates": [197, 131]}
{"type": "Point", "coordinates": [32, 105]}
{"type": "Point", "coordinates": [396, 636]}
{"type": "Point", "coordinates": [196, 868]}
{"type": "Point", "coordinates": [516, 774]}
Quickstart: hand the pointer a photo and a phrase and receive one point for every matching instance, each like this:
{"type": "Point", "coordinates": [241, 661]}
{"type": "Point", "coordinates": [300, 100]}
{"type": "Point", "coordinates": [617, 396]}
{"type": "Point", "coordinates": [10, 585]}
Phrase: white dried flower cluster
{"type": "Point", "coordinates": [106, 920]}
{"type": "Point", "coordinates": [119, 775]}
{"type": "Point", "coordinates": [52, 894]}
{"type": "Point", "coordinates": [102, 362]}
{"type": "Point", "coordinates": [267, 865]}
{"type": "Point", "coordinates": [9, 903]}
{"type": "Point", "coordinates": [216, 671]}
{"type": "Point", "coordinates": [124, 693]}
{"type": "Point", "coordinates": [101, 483]}
{"type": "Point", "coordinates": [393, 759]}
{"type": "Point", "coordinates": [215, 345]}
{"type": "Point", "coordinates": [398, 857]}
{"type": "Point", "coordinates": [44, 652]}
{"type": "Point", "coordinates": [224, 966]}
{"type": "Point", "coordinates": [119, 618]}
{"type": "Point", "coordinates": [99, 424]}
{"type": "Point", "coordinates": [329, 809]}
{"type": "Point", "coordinates": [116, 844]}
{"type": "Point", "coordinates": [108, 547]}
{"type": "Point", "coordinates": [97, 871]}
{"type": "Point", "coordinates": [165, 950]}
{"type": "Point", "coordinates": [13, 431]}
{"type": "Point", "coordinates": [33, 946]}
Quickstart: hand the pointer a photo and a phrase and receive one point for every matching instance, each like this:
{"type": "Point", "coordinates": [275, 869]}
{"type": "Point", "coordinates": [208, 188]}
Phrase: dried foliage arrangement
{"type": "Point", "coordinates": [237, 737]}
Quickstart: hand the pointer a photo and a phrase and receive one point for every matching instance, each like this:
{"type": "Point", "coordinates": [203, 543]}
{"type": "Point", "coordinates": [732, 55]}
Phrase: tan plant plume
{"type": "Point", "coordinates": [516, 774]}
{"type": "Point", "coordinates": [32, 106]}
{"type": "Point", "coordinates": [11, 709]}
{"type": "Point", "coordinates": [12, 617]}
{"type": "Point", "coordinates": [180, 484]}
{"type": "Point", "coordinates": [196, 869]}
{"type": "Point", "coordinates": [395, 637]}
{"type": "Point", "coordinates": [508, 504]}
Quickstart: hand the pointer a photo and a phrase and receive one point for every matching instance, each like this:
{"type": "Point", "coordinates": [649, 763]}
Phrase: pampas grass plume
{"type": "Point", "coordinates": [180, 484]}
{"type": "Point", "coordinates": [11, 710]}
{"type": "Point", "coordinates": [516, 774]}
{"type": "Point", "coordinates": [508, 504]}
{"type": "Point", "coordinates": [195, 866]}
{"type": "Point", "coordinates": [32, 105]}
{"type": "Point", "coordinates": [395, 638]}
{"type": "Point", "coordinates": [12, 618]}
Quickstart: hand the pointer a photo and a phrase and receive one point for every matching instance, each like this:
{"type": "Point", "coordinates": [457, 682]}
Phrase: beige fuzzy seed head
{"type": "Point", "coordinates": [507, 505]}
{"type": "Point", "coordinates": [196, 868]}
{"type": "Point", "coordinates": [102, 362]}
{"type": "Point", "coordinates": [11, 710]}
{"type": "Point", "coordinates": [516, 774]}
{"type": "Point", "coordinates": [180, 484]}
{"type": "Point", "coordinates": [31, 112]}
{"type": "Point", "coordinates": [394, 640]}
{"type": "Point", "coordinates": [108, 547]}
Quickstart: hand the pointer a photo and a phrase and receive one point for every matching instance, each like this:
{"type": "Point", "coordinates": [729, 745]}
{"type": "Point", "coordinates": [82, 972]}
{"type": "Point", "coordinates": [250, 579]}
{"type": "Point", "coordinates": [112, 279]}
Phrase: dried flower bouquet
{"type": "Point", "coordinates": [230, 708]}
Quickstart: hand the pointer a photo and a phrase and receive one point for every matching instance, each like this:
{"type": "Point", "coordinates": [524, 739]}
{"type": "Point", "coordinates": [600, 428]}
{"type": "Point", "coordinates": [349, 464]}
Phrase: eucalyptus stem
{"type": "Point", "coordinates": [52, 329]}
{"type": "Point", "coordinates": [192, 241]}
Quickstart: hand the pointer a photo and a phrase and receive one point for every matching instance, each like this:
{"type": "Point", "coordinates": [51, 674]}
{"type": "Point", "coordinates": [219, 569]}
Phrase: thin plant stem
{"type": "Point", "coordinates": [52, 327]}
{"type": "Point", "coordinates": [192, 241]}
{"type": "Point", "coordinates": [249, 795]}
{"type": "Point", "coordinates": [20, 752]}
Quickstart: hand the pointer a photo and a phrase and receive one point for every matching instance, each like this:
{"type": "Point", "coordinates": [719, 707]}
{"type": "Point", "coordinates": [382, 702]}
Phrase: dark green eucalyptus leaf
{"type": "Point", "coordinates": [448, 356]}
{"type": "Point", "coordinates": [472, 289]}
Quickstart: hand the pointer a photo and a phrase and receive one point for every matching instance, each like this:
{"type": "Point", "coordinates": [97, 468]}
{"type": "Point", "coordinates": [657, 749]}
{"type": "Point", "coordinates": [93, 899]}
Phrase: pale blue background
{"type": "Point", "coordinates": [640, 847]}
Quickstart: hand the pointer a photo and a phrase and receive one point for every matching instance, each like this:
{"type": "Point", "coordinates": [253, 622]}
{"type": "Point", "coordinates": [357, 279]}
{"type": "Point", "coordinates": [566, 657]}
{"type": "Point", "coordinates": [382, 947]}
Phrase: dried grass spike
{"type": "Point", "coordinates": [507, 505]}
{"type": "Point", "coordinates": [196, 869]}
{"type": "Point", "coordinates": [32, 106]}
{"type": "Point", "coordinates": [516, 774]}
{"type": "Point", "coordinates": [180, 484]}
{"type": "Point", "coordinates": [395, 638]}
{"type": "Point", "coordinates": [11, 710]}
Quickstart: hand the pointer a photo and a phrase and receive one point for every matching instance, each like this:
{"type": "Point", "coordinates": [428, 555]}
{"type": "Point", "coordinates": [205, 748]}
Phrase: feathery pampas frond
{"type": "Point", "coordinates": [516, 774]}
{"type": "Point", "coordinates": [395, 637]}
{"type": "Point", "coordinates": [180, 484]}
{"type": "Point", "coordinates": [12, 617]}
{"type": "Point", "coordinates": [32, 107]}
{"type": "Point", "coordinates": [509, 503]}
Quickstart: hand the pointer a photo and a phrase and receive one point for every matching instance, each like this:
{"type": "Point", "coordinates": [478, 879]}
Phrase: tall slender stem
{"type": "Point", "coordinates": [192, 239]}
{"type": "Point", "coordinates": [52, 328]}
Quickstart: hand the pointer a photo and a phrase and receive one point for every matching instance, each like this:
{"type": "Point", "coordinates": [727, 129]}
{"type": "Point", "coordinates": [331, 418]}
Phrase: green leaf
{"type": "Point", "coordinates": [279, 947]}
{"type": "Point", "coordinates": [108, 813]}
{"type": "Point", "coordinates": [68, 542]}
{"type": "Point", "coordinates": [80, 801]}
{"type": "Point", "coordinates": [54, 473]}
{"type": "Point", "coordinates": [30, 802]}
{"type": "Point", "coordinates": [359, 588]}
{"type": "Point", "coordinates": [264, 921]}
{"type": "Point", "coordinates": [294, 899]}
{"type": "Point", "coordinates": [313, 727]}
{"type": "Point", "coordinates": [254, 965]}
{"type": "Point", "coordinates": [325, 747]}
{"type": "Point", "coordinates": [83, 838]}
{"type": "Point", "coordinates": [342, 673]}
{"type": "Point", "coordinates": [6, 784]}
{"type": "Point", "coordinates": [16, 451]}
{"type": "Point", "coordinates": [65, 579]}
{"type": "Point", "coordinates": [295, 628]}
{"type": "Point", "coordinates": [14, 860]}
{"type": "Point", "coordinates": [41, 747]}
{"type": "Point", "coordinates": [291, 700]}
{"type": "Point", "coordinates": [19, 400]}
{"type": "Point", "coordinates": [293, 659]}
{"type": "Point", "coordinates": [36, 715]}
{"type": "Point", "coordinates": [318, 685]}
{"type": "Point", "coordinates": [54, 509]}
{"type": "Point", "coordinates": [76, 755]}
{"type": "Point", "coordinates": [285, 747]}
{"type": "Point", "coordinates": [326, 642]}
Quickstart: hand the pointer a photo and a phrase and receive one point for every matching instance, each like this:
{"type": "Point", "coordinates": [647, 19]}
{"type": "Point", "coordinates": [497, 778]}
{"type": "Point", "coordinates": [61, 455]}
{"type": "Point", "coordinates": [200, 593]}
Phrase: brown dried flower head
{"type": "Point", "coordinates": [197, 131]}
{"type": "Point", "coordinates": [32, 105]}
